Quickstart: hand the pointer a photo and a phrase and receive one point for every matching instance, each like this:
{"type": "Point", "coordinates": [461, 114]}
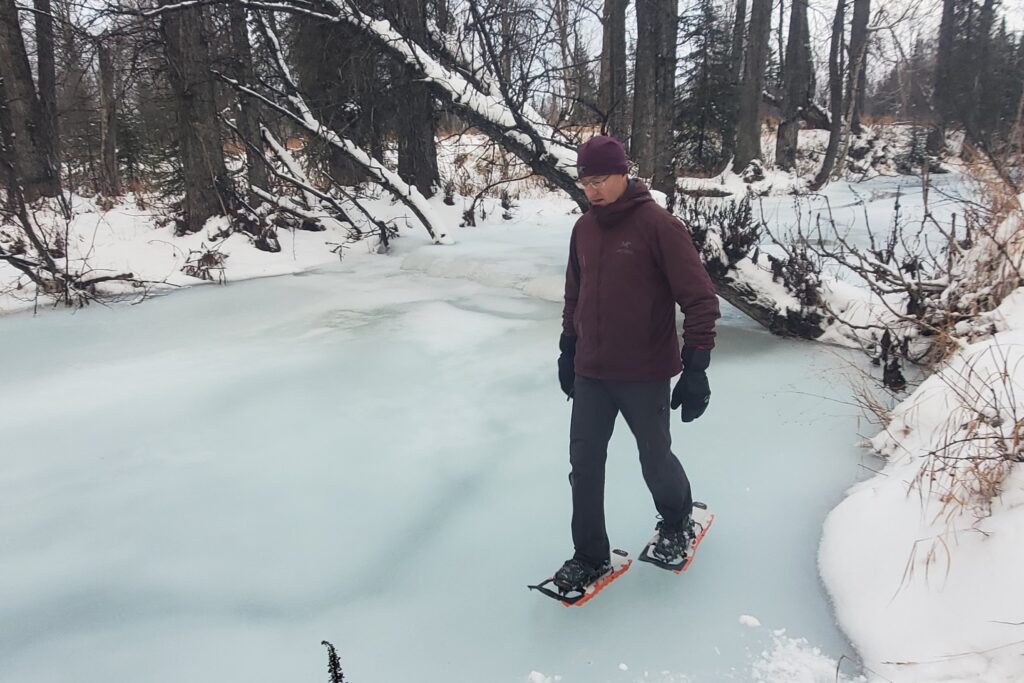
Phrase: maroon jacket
{"type": "Point", "coordinates": [629, 263]}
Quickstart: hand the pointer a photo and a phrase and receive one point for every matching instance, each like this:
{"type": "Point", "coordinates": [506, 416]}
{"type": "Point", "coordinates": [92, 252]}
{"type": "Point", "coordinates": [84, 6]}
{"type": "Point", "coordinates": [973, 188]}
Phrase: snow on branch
{"type": "Point", "coordinates": [300, 113]}
{"type": "Point", "coordinates": [521, 131]}
{"type": "Point", "coordinates": [780, 297]}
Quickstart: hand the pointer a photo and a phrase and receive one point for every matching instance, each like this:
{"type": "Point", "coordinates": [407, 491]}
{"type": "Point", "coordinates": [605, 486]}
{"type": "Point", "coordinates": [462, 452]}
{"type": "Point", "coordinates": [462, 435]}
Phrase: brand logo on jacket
{"type": "Point", "coordinates": [626, 247]}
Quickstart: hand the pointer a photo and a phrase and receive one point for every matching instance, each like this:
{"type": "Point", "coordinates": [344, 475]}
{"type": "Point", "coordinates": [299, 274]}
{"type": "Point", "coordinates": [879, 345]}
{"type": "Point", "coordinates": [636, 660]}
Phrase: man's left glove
{"type": "Point", "coordinates": [567, 364]}
{"type": "Point", "coordinates": [692, 391]}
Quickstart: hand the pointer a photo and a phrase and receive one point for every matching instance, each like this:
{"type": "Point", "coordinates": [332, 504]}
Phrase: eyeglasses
{"type": "Point", "coordinates": [594, 183]}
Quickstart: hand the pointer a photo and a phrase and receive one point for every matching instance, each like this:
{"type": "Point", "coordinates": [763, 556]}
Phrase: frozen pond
{"type": "Point", "coordinates": [204, 487]}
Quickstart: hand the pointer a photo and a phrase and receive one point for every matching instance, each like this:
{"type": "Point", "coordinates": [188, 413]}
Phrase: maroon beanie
{"type": "Point", "coordinates": [601, 155]}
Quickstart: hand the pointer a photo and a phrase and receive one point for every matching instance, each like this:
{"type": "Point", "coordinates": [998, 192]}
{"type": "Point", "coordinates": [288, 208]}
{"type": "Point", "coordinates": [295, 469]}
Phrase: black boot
{"type": "Point", "coordinates": [576, 574]}
{"type": "Point", "coordinates": [673, 542]}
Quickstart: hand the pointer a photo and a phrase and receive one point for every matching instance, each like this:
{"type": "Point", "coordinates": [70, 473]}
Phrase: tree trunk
{"type": "Point", "coordinates": [199, 141]}
{"type": "Point", "coordinates": [30, 147]}
{"type": "Point", "coordinates": [665, 97]}
{"type": "Point", "coordinates": [781, 46]}
{"type": "Point", "coordinates": [417, 150]}
{"type": "Point", "coordinates": [507, 39]}
{"type": "Point", "coordinates": [538, 147]}
{"type": "Point", "coordinates": [748, 133]}
{"type": "Point", "coordinates": [248, 116]}
{"type": "Point", "coordinates": [612, 95]}
{"type": "Point", "coordinates": [942, 92]}
{"type": "Point", "coordinates": [8, 176]}
{"type": "Point", "coordinates": [641, 147]}
{"type": "Point", "coordinates": [570, 94]}
{"type": "Point", "coordinates": [47, 65]}
{"type": "Point", "coordinates": [110, 179]}
{"type": "Point", "coordinates": [858, 54]}
{"type": "Point", "coordinates": [795, 96]}
{"type": "Point", "coordinates": [739, 27]}
{"type": "Point", "coordinates": [835, 82]}
{"type": "Point", "coordinates": [442, 16]}
{"type": "Point", "coordinates": [986, 103]}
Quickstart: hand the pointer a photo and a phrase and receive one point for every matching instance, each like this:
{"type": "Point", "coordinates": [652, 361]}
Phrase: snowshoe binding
{"type": "Point", "coordinates": [577, 582]}
{"type": "Point", "coordinates": [674, 549]}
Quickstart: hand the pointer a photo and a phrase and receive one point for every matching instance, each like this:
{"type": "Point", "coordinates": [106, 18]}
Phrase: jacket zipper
{"type": "Point", "coordinates": [597, 313]}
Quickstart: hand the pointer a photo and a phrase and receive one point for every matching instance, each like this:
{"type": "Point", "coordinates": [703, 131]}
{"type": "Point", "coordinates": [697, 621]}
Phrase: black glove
{"type": "Point", "coordinates": [567, 364]}
{"type": "Point", "coordinates": [692, 391]}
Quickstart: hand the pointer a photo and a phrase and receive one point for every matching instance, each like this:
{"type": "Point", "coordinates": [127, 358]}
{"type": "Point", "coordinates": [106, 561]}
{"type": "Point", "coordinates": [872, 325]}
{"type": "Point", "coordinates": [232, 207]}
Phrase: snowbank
{"type": "Point", "coordinates": [923, 560]}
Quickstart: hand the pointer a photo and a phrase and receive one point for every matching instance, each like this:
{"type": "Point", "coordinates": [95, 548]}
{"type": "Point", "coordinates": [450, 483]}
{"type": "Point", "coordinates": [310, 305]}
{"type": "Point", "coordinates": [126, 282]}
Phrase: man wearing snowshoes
{"type": "Point", "coordinates": [630, 263]}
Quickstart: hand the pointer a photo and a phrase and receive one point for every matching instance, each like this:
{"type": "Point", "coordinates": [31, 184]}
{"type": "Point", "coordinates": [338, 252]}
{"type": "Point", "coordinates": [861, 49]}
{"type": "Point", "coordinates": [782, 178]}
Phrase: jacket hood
{"type": "Point", "coordinates": [635, 195]}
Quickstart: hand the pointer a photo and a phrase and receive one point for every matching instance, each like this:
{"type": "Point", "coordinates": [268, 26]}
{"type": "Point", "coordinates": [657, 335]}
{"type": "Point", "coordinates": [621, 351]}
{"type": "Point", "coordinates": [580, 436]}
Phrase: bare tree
{"type": "Point", "coordinates": [835, 82]}
{"type": "Point", "coordinates": [652, 146]}
{"type": "Point", "coordinates": [664, 178]}
{"type": "Point", "coordinates": [109, 177]}
{"type": "Point", "coordinates": [570, 89]}
{"type": "Point", "coordinates": [641, 145]}
{"type": "Point", "coordinates": [25, 126]}
{"type": "Point", "coordinates": [943, 84]}
{"type": "Point", "coordinates": [795, 96]}
{"type": "Point", "coordinates": [739, 29]}
{"type": "Point", "coordinates": [417, 150]}
{"type": "Point", "coordinates": [856, 85]}
{"type": "Point", "coordinates": [612, 94]}
{"type": "Point", "coordinates": [248, 118]}
{"type": "Point", "coordinates": [47, 66]}
{"type": "Point", "coordinates": [202, 154]}
{"type": "Point", "coordinates": [748, 133]}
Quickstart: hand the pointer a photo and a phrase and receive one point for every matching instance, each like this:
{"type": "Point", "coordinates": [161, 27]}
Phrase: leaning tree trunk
{"type": "Point", "coordinates": [248, 117]}
{"type": "Point", "coordinates": [748, 133]}
{"type": "Point", "coordinates": [417, 150]}
{"type": "Point", "coordinates": [30, 149]}
{"type": "Point", "coordinates": [612, 93]}
{"type": "Point", "coordinates": [835, 83]}
{"type": "Point", "coordinates": [664, 179]}
{"type": "Point", "coordinates": [524, 134]}
{"type": "Point", "coordinates": [110, 179]}
{"type": "Point", "coordinates": [641, 146]}
{"type": "Point", "coordinates": [795, 96]}
{"type": "Point", "coordinates": [856, 84]}
{"type": "Point", "coordinates": [199, 141]}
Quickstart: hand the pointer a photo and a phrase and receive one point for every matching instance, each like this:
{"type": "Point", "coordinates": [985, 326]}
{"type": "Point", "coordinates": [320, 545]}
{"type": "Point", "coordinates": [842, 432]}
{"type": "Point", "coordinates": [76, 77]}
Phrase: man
{"type": "Point", "coordinates": [630, 263]}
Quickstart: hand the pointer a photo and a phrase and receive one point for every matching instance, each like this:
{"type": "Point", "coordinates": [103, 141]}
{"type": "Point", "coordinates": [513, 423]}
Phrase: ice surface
{"type": "Point", "coordinates": [206, 486]}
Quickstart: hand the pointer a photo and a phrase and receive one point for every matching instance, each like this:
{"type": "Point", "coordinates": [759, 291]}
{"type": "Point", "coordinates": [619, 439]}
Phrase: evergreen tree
{"type": "Point", "coordinates": [704, 113]}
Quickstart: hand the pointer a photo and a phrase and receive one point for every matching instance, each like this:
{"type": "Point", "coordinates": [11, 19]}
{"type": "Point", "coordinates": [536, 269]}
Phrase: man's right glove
{"type": "Point", "coordinates": [567, 364]}
{"type": "Point", "coordinates": [692, 391]}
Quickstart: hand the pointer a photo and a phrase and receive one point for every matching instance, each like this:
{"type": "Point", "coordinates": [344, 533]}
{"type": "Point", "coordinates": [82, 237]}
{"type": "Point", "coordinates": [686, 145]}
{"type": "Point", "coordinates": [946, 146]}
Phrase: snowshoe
{"type": "Point", "coordinates": [576, 582]}
{"type": "Point", "coordinates": [673, 549]}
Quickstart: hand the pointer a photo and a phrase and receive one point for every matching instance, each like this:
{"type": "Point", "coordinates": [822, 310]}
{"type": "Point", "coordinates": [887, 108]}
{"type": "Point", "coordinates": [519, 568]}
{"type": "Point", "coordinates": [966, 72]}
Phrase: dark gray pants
{"type": "Point", "coordinates": [645, 406]}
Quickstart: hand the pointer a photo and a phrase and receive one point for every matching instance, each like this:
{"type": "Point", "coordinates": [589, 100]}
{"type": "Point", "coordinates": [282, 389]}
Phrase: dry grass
{"type": "Point", "coordinates": [983, 434]}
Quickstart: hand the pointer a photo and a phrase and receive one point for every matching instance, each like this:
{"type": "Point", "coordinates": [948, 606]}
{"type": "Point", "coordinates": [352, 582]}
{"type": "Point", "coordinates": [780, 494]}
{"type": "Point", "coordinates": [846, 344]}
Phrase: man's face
{"type": "Point", "coordinates": [602, 190]}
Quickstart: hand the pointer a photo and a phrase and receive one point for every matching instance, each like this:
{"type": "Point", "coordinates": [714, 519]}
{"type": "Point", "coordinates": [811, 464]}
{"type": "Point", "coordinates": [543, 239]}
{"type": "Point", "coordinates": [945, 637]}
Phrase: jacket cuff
{"type": "Point", "coordinates": [696, 359]}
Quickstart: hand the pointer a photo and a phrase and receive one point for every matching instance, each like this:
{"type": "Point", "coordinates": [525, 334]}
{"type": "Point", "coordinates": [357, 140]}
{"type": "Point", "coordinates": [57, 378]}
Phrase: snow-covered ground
{"type": "Point", "coordinates": [373, 453]}
{"type": "Point", "coordinates": [923, 560]}
{"type": "Point", "coordinates": [206, 486]}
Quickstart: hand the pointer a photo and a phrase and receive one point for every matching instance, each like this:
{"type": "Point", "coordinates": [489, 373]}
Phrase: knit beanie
{"type": "Point", "coordinates": [601, 155]}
